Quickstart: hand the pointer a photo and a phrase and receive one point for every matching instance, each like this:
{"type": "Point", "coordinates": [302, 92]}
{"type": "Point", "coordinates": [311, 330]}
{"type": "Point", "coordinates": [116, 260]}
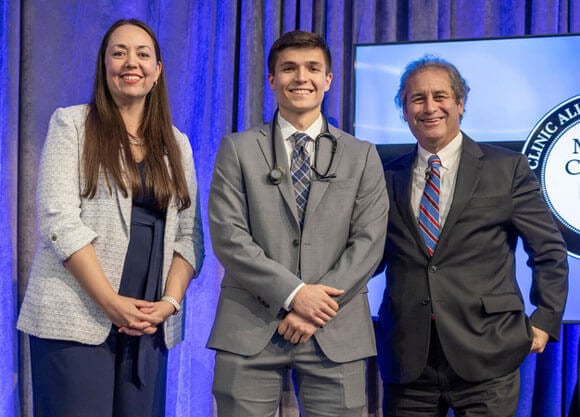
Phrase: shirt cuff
{"type": "Point", "coordinates": [288, 300]}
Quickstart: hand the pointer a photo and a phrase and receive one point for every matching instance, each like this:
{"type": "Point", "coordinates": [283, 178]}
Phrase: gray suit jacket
{"type": "Point", "coordinates": [257, 238]}
{"type": "Point", "coordinates": [55, 306]}
{"type": "Point", "coordinates": [470, 283]}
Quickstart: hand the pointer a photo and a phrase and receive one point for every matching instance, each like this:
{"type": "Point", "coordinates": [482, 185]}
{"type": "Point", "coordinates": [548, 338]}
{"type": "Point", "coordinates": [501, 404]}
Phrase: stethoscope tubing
{"type": "Point", "coordinates": [276, 173]}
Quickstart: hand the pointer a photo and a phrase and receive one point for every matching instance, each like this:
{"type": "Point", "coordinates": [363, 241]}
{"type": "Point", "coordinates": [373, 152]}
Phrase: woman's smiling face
{"type": "Point", "coordinates": [132, 65]}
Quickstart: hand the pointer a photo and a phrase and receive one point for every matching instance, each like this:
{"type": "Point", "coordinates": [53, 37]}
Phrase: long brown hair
{"type": "Point", "coordinates": [107, 145]}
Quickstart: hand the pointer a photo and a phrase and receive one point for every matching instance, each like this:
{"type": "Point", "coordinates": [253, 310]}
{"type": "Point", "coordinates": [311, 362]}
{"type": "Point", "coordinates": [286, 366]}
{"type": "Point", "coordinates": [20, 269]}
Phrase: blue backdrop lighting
{"type": "Point", "coordinates": [214, 56]}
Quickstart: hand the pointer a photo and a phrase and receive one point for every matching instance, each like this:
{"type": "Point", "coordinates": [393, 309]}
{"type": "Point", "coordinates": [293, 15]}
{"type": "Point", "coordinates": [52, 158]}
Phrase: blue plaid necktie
{"type": "Point", "coordinates": [429, 207]}
{"type": "Point", "coordinates": [300, 169]}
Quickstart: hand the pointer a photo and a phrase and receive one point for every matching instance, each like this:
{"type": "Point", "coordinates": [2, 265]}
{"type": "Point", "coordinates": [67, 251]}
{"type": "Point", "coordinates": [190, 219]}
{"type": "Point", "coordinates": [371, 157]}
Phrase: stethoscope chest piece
{"type": "Point", "coordinates": [276, 175]}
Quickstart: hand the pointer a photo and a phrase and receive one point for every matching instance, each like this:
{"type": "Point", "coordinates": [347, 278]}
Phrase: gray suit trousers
{"type": "Point", "coordinates": [252, 386]}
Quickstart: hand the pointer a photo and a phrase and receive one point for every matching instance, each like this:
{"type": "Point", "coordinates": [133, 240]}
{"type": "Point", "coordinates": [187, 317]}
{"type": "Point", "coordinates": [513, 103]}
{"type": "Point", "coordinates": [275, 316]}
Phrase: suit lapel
{"type": "Point", "coordinates": [125, 203]}
{"type": "Point", "coordinates": [318, 187]}
{"type": "Point", "coordinates": [402, 181]}
{"type": "Point", "coordinates": [468, 175]}
{"type": "Point", "coordinates": [285, 187]}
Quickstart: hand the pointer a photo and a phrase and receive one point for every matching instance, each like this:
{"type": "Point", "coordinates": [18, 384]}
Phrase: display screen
{"type": "Point", "coordinates": [518, 85]}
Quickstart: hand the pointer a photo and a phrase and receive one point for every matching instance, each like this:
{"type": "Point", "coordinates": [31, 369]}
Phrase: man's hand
{"type": "Point", "coordinates": [296, 329]}
{"type": "Point", "coordinates": [315, 303]}
{"type": "Point", "coordinates": [540, 340]}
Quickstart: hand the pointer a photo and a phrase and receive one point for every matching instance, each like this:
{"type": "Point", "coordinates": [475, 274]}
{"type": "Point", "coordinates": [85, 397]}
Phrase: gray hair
{"type": "Point", "coordinates": [458, 83]}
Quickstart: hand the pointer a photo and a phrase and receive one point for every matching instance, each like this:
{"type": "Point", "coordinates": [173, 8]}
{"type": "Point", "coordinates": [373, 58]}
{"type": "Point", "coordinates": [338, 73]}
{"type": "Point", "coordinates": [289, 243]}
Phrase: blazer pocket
{"type": "Point", "coordinates": [482, 202]}
{"type": "Point", "coordinates": [502, 303]}
{"type": "Point", "coordinates": [347, 183]}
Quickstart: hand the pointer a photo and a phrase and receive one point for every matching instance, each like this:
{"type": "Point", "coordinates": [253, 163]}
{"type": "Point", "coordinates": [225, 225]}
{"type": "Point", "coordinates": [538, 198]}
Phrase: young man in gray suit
{"type": "Point", "coordinates": [299, 227]}
{"type": "Point", "coordinates": [453, 330]}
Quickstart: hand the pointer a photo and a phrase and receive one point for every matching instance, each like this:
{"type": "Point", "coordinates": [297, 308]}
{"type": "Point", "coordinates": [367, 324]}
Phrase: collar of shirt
{"type": "Point", "coordinates": [449, 155]}
{"type": "Point", "coordinates": [287, 130]}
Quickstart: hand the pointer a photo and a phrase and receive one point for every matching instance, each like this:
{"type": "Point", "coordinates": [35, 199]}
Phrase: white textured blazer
{"type": "Point", "coordinates": [55, 306]}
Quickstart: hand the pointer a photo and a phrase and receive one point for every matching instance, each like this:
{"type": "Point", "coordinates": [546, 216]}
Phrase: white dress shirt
{"type": "Point", "coordinates": [449, 156]}
{"type": "Point", "coordinates": [287, 130]}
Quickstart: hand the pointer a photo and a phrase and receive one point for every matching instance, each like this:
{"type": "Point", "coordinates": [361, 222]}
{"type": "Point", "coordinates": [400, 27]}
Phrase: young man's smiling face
{"type": "Point", "coordinates": [300, 80]}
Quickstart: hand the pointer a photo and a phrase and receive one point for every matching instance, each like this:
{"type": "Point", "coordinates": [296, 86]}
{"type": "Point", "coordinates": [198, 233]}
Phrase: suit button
{"type": "Point", "coordinates": [53, 237]}
{"type": "Point", "coordinates": [295, 243]}
{"type": "Point", "coordinates": [426, 301]}
{"type": "Point", "coordinates": [433, 268]}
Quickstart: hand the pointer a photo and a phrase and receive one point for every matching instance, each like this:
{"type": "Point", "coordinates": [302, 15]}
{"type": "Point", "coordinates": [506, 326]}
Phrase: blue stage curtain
{"type": "Point", "coordinates": [9, 82]}
{"type": "Point", "coordinates": [215, 57]}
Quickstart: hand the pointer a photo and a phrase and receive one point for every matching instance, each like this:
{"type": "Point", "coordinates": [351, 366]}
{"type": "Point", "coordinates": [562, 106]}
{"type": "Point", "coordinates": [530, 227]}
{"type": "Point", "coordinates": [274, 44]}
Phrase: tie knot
{"type": "Point", "coordinates": [434, 162]}
{"type": "Point", "coordinates": [300, 138]}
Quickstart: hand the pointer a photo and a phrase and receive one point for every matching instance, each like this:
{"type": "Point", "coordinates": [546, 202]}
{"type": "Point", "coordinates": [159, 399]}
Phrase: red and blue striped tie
{"type": "Point", "coordinates": [429, 207]}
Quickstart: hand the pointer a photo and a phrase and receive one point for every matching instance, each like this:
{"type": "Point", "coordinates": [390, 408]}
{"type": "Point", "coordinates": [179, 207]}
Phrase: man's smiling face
{"type": "Point", "coordinates": [431, 109]}
{"type": "Point", "coordinates": [300, 80]}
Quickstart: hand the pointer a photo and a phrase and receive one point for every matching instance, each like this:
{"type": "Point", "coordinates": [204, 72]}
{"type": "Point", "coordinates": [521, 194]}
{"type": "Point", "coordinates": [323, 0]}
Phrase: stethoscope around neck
{"type": "Point", "coordinates": [277, 173]}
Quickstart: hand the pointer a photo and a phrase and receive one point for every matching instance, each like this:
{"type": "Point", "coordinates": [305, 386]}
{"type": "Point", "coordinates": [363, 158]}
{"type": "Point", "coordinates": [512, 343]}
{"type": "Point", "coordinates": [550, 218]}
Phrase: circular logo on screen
{"type": "Point", "coordinates": [553, 151]}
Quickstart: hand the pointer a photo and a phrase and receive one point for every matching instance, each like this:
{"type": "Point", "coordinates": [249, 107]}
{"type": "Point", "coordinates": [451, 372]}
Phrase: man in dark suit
{"type": "Point", "coordinates": [452, 327]}
{"type": "Point", "coordinates": [298, 223]}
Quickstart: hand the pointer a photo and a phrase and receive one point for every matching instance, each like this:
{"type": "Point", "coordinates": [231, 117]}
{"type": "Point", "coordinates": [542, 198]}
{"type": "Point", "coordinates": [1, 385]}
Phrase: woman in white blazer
{"type": "Point", "coordinates": [120, 238]}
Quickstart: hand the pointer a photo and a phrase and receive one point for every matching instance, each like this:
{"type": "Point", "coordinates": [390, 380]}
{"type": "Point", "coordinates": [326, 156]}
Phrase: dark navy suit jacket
{"type": "Point", "coordinates": [470, 282]}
